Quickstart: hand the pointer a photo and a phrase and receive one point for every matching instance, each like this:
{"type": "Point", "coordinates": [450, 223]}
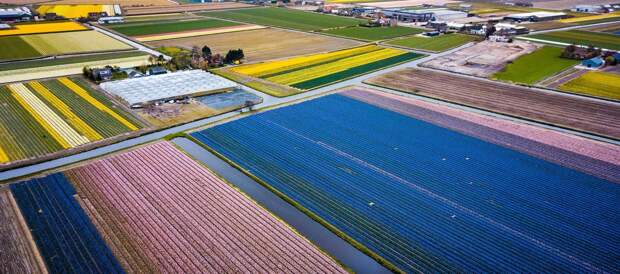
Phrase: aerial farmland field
{"type": "Point", "coordinates": [373, 33]}
{"type": "Point", "coordinates": [579, 114]}
{"type": "Point", "coordinates": [285, 18]}
{"type": "Point", "coordinates": [434, 44]}
{"type": "Point", "coordinates": [162, 212]}
{"type": "Point", "coordinates": [159, 27]}
{"type": "Point", "coordinates": [64, 235]}
{"type": "Point", "coordinates": [37, 45]}
{"type": "Point", "coordinates": [42, 117]}
{"type": "Point", "coordinates": [43, 27]}
{"type": "Point", "coordinates": [309, 72]}
{"type": "Point", "coordinates": [17, 254]}
{"type": "Point", "coordinates": [536, 66]}
{"type": "Point", "coordinates": [581, 37]}
{"type": "Point", "coordinates": [595, 83]}
{"type": "Point", "coordinates": [259, 45]}
{"type": "Point", "coordinates": [425, 190]}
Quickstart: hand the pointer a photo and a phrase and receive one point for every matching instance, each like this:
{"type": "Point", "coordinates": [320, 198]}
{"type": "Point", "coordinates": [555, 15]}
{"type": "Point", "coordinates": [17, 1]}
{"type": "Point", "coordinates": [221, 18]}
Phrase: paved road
{"type": "Point", "coordinates": [130, 42]}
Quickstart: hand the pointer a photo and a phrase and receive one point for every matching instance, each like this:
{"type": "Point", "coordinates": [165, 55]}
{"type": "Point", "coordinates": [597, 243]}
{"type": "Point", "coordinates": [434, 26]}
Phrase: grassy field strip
{"type": "Point", "coordinates": [197, 33]}
{"type": "Point", "coordinates": [42, 28]}
{"type": "Point", "coordinates": [333, 67]}
{"type": "Point", "coordinates": [595, 83]}
{"type": "Point", "coordinates": [67, 69]}
{"type": "Point", "coordinates": [84, 94]}
{"type": "Point", "coordinates": [73, 119]}
{"type": "Point", "coordinates": [579, 37]}
{"type": "Point", "coordinates": [263, 69]}
{"type": "Point", "coordinates": [373, 33]}
{"type": "Point", "coordinates": [49, 117]}
{"type": "Point", "coordinates": [433, 44]}
{"type": "Point", "coordinates": [536, 66]}
{"type": "Point", "coordinates": [285, 18]}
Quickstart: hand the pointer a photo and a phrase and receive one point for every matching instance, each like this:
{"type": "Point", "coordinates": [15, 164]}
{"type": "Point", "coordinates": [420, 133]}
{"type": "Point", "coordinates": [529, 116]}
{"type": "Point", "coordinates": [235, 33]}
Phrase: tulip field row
{"type": "Point", "coordinates": [431, 192]}
{"type": "Point", "coordinates": [38, 118]}
{"type": "Point", "coordinates": [162, 212]}
{"type": "Point", "coordinates": [17, 254]}
{"type": "Point", "coordinates": [65, 237]}
{"type": "Point", "coordinates": [310, 72]}
{"type": "Point", "coordinates": [151, 210]}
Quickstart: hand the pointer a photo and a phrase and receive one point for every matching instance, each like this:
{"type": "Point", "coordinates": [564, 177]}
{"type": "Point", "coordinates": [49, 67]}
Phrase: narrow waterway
{"type": "Point", "coordinates": [315, 232]}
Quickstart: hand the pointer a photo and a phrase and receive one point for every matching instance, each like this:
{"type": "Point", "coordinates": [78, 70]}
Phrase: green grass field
{"type": "Point", "coordinates": [68, 60]}
{"type": "Point", "coordinates": [285, 18]}
{"type": "Point", "coordinates": [580, 37]}
{"type": "Point", "coordinates": [14, 47]}
{"type": "Point", "coordinates": [436, 44]}
{"type": "Point", "coordinates": [157, 27]}
{"type": "Point", "coordinates": [595, 83]}
{"type": "Point", "coordinates": [373, 34]}
{"type": "Point", "coordinates": [536, 66]}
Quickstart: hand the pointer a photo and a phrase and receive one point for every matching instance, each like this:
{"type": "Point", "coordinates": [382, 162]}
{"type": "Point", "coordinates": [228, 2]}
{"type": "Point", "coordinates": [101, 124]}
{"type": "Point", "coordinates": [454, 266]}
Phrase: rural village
{"type": "Point", "coordinates": [309, 136]}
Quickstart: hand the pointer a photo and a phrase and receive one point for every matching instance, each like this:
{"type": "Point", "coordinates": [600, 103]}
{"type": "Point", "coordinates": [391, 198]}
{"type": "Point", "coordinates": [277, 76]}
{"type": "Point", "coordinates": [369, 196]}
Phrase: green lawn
{"type": "Point", "coordinates": [536, 66]}
{"type": "Point", "coordinates": [374, 34]}
{"type": "Point", "coordinates": [68, 60]}
{"type": "Point", "coordinates": [580, 37]}
{"type": "Point", "coordinates": [14, 47]}
{"type": "Point", "coordinates": [285, 18]}
{"type": "Point", "coordinates": [147, 28]}
{"type": "Point", "coordinates": [437, 43]}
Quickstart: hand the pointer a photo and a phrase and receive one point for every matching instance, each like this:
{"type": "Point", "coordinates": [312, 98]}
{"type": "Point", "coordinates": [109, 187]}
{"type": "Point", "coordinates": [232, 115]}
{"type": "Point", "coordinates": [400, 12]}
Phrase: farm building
{"type": "Point", "coordinates": [588, 8]}
{"type": "Point", "coordinates": [593, 62]}
{"type": "Point", "coordinates": [536, 16]}
{"type": "Point", "coordinates": [15, 14]}
{"type": "Point", "coordinates": [424, 15]}
{"type": "Point", "coordinates": [138, 92]}
{"type": "Point", "coordinates": [111, 20]}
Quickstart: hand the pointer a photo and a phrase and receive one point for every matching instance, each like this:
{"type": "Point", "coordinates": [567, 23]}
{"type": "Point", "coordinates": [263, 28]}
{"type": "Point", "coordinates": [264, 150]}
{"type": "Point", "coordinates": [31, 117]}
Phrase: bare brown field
{"type": "Point", "coordinates": [263, 44]}
{"type": "Point", "coordinates": [614, 27]}
{"type": "Point", "coordinates": [183, 8]}
{"type": "Point", "coordinates": [568, 4]}
{"type": "Point", "coordinates": [483, 59]}
{"type": "Point", "coordinates": [18, 254]}
{"type": "Point", "coordinates": [23, 2]}
{"type": "Point", "coordinates": [546, 25]}
{"type": "Point", "coordinates": [580, 114]}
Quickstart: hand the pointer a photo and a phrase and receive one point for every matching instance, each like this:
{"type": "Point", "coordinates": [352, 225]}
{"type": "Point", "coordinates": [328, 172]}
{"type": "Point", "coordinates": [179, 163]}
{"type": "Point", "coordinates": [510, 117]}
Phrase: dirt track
{"type": "Point", "coordinates": [575, 113]}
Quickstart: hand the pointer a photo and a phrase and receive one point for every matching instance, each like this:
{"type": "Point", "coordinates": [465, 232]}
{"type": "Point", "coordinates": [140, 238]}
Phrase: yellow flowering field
{"type": "Point", "coordinates": [590, 18]}
{"type": "Point", "coordinates": [42, 28]}
{"type": "Point", "coordinates": [75, 11]}
{"type": "Point", "coordinates": [314, 71]}
{"type": "Point", "coordinates": [42, 117]}
{"type": "Point", "coordinates": [595, 83]}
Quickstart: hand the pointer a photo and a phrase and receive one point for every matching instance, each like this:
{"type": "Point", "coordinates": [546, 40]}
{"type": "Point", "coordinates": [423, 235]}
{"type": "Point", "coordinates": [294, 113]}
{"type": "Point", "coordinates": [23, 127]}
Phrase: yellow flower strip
{"type": "Point", "coordinates": [589, 18]}
{"type": "Point", "coordinates": [3, 157]}
{"type": "Point", "coordinates": [71, 11]}
{"type": "Point", "coordinates": [261, 69]}
{"type": "Point", "coordinates": [39, 119]}
{"type": "Point", "coordinates": [42, 28]}
{"type": "Point", "coordinates": [73, 119]}
{"type": "Point", "coordinates": [84, 94]}
{"type": "Point", "coordinates": [69, 134]}
{"type": "Point", "coordinates": [334, 67]}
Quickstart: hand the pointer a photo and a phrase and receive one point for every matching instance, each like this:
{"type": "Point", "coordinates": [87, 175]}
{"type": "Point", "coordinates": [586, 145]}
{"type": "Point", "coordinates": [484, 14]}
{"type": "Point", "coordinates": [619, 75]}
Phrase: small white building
{"type": "Point", "coordinates": [588, 8]}
{"type": "Point", "coordinates": [111, 20]}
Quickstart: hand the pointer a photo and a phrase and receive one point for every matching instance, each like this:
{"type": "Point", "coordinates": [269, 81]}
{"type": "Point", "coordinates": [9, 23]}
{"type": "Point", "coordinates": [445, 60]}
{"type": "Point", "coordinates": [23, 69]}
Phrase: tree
{"type": "Point", "coordinates": [490, 31]}
{"type": "Point", "coordinates": [206, 52]}
{"type": "Point", "coordinates": [161, 59]}
{"type": "Point", "coordinates": [233, 56]}
{"type": "Point", "coordinates": [151, 59]}
{"type": "Point", "coordinates": [611, 61]}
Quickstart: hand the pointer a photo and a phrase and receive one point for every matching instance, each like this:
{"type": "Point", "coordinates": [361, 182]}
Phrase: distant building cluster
{"type": "Point", "coordinates": [21, 14]}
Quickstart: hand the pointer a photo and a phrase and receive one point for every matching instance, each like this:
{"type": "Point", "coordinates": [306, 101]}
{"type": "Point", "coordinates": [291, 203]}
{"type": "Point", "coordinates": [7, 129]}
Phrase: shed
{"type": "Point", "coordinates": [103, 74]}
{"type": "Point", "coordinates": [156, 71]}
{"type": "Point", "coordinates": [593, 62]}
